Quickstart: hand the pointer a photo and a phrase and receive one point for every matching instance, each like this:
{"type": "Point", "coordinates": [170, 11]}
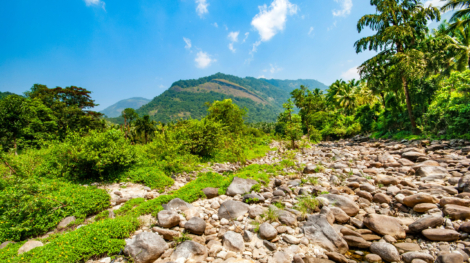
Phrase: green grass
{"type": "Point", "coordinates": [306, 205]}
{"type": "Point", "coordinates": [151, 177]}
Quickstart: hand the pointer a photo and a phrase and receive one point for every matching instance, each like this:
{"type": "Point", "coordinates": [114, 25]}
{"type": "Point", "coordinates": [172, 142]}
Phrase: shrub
{"type": "Point", "coordinates": [315, 135]}
{"type": "Point", "coordinates": [151, 177]}
{"type": "Point", "coordinates": [33, 207]}
{"type": "Point", "coordinates": [306, 205]}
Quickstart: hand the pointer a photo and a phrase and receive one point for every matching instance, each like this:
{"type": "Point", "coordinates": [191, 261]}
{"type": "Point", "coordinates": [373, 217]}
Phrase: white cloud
{"type": "Point", "coordinates": [203, 60]}
{"type": "Point", "coordinates": [233, 36]}
{"type": "Point", "coordinates": [346, 6]}
{"type": "Point", "coordinates": [201, 8]}
{"type": "Point", "coordinates": [261, 77]}
{"type": "Point", "coordinates": [274, 68]}
{"type": "Point", "coordinates": [352, 73]}
{"type": "Point", "coordinates": [188, 43]}
{"type": "Point", "coordinates": [255, 46]}
{"type": "Point", "coordinates": [246, 36]}
{"type": "Point", "coordinates": [216, 25]}
{"type": "Point", "coordinates": [435, 3]}
{"type": "Point", "coordinates": [230, 46]}
{"type": "Point", "coordinates": [226, 27]}
{"type": "Point", "coordinates": [95, 2]}
{"type": "Point", "coordinates": [310, 31]}
{"type": "Point", "coordinates": [270, 21]}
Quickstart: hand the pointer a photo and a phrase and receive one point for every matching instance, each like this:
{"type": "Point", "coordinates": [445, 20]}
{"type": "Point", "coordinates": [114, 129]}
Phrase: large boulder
{"type": "Point", "coordinates": [385, 225]}
{"type": "Point", "coordinates": [386, 251]}
{"type": "Point", "coordinates": [240, 186]}
{"type": "Point", "coordinates": [412, 156]}
{"type": "Point", "coordinates": [168, 218]}
{"type": "Point", "coordinates": [431, 173]}
{"type": "Point", "coordinates": [343, 202]}
{"type": "Point", "coordinates": [234, 242]}
{"type": "Point", "coordinates": [438, 234]}
{"type": "Point", "coordinates": [321, 233]}
{"type": "Point", "coordinates": [210, 192]}
{"type": "Point", "coordinates": [457, 212]}
{"type": "Point", "coordinates": [145, 247]}
{"type": "Point", "coordinates": [29, 245]}
{"type": "Point", "coordinates": [425, 223]}
{"type": "Point", "coordinates": [189, 250]}
{"type": "Point", "coordinates": [65, 222]}
{"type": "Point", "coordinates": [267, 231]}
{"type": "Point", "coordinates": [232, 209]}
{"type": "Point", "coordinates": [415, 199]}
{"type": "Point", "coordinates": [177, 205]}
{"type": "Point", "coordinates": [195, 225]}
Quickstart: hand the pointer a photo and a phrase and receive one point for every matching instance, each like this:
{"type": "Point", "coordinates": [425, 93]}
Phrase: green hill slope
{"type": "Point", "coordinates": [294, 84]}
{"type": "Point", "coordinates": [5, 94]}
{"type": "Point", "coordinates": [116, 109]}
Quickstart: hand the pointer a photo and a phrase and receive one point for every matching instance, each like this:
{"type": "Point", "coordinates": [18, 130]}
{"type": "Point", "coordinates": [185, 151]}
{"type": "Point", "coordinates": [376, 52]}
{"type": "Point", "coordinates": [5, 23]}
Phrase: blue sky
{"type": "Point", "coordinates": [121, 49]}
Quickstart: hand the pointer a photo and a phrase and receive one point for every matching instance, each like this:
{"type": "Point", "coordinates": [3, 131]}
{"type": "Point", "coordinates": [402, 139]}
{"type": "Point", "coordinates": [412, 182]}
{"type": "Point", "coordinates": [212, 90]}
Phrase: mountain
{"type": "Point", "coordinates": [116, 109]}
{"type": "Point", "coordinates": [186, 98]}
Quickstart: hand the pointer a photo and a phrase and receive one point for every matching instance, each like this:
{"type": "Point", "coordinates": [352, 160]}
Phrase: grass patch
{"type": "Point", "coordinates": [306, 205]}
{"type": "Point", "coordinates": [151, 177]}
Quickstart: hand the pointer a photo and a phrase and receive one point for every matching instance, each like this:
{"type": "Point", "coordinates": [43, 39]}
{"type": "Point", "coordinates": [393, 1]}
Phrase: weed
{"type": "Point", "coordinates": [182, 238]}
{"type": "Point", "coordinates": [306, 205]}
{"type": "Point", "coordinates": [319, 168]}
{"type": "Point", "coordinates": [279, 205]}
{"type": "Point", "coordinates": [256, 188]}
{"type": "Point", "coordinates": [324, 193]}
{"type": "Point", "coordinates": [271, 215]}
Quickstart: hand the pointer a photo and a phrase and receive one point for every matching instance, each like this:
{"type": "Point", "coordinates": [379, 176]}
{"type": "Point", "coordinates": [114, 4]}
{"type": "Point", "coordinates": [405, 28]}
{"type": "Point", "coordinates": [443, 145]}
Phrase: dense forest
{"type": "Point", "coordinates": [54, 149]}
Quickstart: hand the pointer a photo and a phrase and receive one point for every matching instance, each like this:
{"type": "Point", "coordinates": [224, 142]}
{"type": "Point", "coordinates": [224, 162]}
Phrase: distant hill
{"type": "Point", "coordinates": [116, 109]}
{"type": "Point", "coordinates": [5, 94]}
{"type": "Point", "coordinates": [186, 98]}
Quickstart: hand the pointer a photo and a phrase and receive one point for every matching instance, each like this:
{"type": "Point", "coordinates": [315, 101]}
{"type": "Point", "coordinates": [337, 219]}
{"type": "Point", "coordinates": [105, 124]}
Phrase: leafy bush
{"type": "Point", "coordinates": [151, 177]}
{"type": "Point", "coordinates": [100, 238]}
{"type": "Point", "coordinates": [33, 207]}
{"type": "Point", "coordinates": [315, 135]}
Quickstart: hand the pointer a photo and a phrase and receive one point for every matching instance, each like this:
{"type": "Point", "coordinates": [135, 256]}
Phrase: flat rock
{"type": "Point", "coordinates": [441, 234]}
{"type": "Point", "coordinates": [240, 186]}
{"type": "Point", "coordinates": [454, 201]}
{"type": "Point", "coordinates": [385, 225]}
{"type": "Point", "coordinates": [166, 233]}
{"type": "Point", "coordinates": [321, 233]}
{"type": "Point", "coordinates": [386, 251]}
{"type": "Point", "coordinates": [430, 173]}
{"type": "Point", "coordinates": [342, 202]}
{"type": "Point", "coordinates": [232, 209]}
{"type": "Point", "coordinates": [256, 210]}
{"type": "Point", "coordinates": [423, 207]}
{"type": "Point", "coordinates": [355, 241]}
{"type": "Point", "coordinates": [425, 223]}
{"type": "Point", "coordinates": [450, 258]}
{"type": "Point", "coordinates": [177, 205]}
{"type": "Point", "coordinates": [407, 247]}
{"type": "Point", "coordinates": [412, 156]}
{"type": "Point", "coordinates": [65, 222]}
{"type": "Point", "coordinates": [189, 250]}
{"type": "Point", "coordinates": [415, 199]}
{"type": "Point", "coordinates": [457, 212]}
{"type": "Point", "coordinates": [410, 256]}
{"type": "Point", "coordinates": [29, 246]}
{"type": "Point", "coordinates": [145, 247]}
{"type": "Point", "coordinates": [234, 242]}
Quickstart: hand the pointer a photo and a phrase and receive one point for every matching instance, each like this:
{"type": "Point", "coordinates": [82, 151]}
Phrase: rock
{"type": "Point", "coordinates": [189, 250]}
{"type": "Point", "coordinates": [252, 198]}
{"type": "Point", "coordinates": [385, 225]}
{"type": "Point", "coordinates": [382, 198]}
{"type": "Point", "coordinates": [234, 242]}
{"type": "Point", "coordinates": [412, 156]}
{"type": "Point", "coordinates": [248, 236]}
{"type": "Point", "coordinates": [423, 207]}
{"type": "Point", "coordinates": [340, 216]}
{"type": "Point", "coordinates": [441, 234]}
{"type": "Point", "coordinates": [425, 223]}
{"type": "Point", "coordinates": [321, 233]}
{"type": "Point", "coordinates": [166, 233]}
{"type": "Point", "coordinates": [408, 247]}
{"type": "Point", "coordinates": [464, 184]}
{"type": "Point", "coordinates": [232, 209]}
{"type": "Point", "coordinates": [386, 251]}
{"type": "Point", "coordinates": [336, 257]}
{"type": "Point", "coordinates": [298, 259]}
{"type": "Point", "coordinates": [415, 199]}
{"type": "Point", "coordinates": [280, 257]}
{"type": "Point", "coordinates": [195, 225]}
{"type": "Point", "coordinates": [269, 245]}
{"type": "Point", "coordinates": [29, 245]}
{"type": "Point", "coordinates": [457, 212]}
{"type": "Point", "coordinates": [240, 186]}
{"type": "Point", "coordinates": [430, 173]}
{"type": "Point", "coordinates": [344, 203]}
{"type": "Point", "coordinates": [450, 258]}
{"type": "Point", "coordinates": [454, 201]}
{"type": "Point", "coordinates": [267, 231]}
{"type": "Point", "coordinates": [145, 247]}
{"type": "Point", "coordinates": [256, 210]}
{"type": "Point", "coordinates": [465, 227]}
{"type": "Point", "coordinates": [168, 218]}
{"type": "Point", "coordinates": [177, 204]}
{"type": "Point", "coordinates": [373, 258]}
{"type": "Point", "coordinates": [291, 239]}
{"type": "Point", "coordinates": [210, 192]}
{"type": "Point", "coordinates": [410, 256]}
{"type": "Point", "coordinates": [286, 218]}
{"type": "Point", "coordinates": [65, 222]}
{"type": "Point", "coordinates": [355, 241]}
{"type": "Point", "coordinates": [6, 243]}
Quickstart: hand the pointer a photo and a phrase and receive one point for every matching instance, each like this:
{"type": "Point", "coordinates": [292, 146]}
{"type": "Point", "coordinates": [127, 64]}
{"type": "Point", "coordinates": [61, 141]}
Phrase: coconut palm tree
{"type": "Point", "coordinates": [463, 12]}
{"type": "Point", "coordinates": [458, 34]}
{"type": "Point", "coordinates": [346, 96]}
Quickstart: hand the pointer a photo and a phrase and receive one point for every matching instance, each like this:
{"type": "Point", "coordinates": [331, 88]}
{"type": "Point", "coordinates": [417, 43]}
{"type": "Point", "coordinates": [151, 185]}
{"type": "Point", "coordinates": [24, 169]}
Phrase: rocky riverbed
{"type": "Point", "coordinates": [376, 201]}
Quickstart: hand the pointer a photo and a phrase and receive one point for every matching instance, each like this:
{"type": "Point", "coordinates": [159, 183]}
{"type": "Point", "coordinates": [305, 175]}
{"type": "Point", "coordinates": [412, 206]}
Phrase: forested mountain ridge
{"type": "Point", "coordinates": [5, 94]}
{"type": "Point", "coordinates": [186, 98]}
{"type": "Point", "coordinates": [116, 109]}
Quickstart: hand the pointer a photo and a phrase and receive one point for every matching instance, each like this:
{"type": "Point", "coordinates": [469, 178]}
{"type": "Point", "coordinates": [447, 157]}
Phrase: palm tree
{"type": "Point", "coordinates": [400, 25]}
{"type": "Point", "coordinates": [346, 96]}
{"type": "Point", "coordinates": [459, 38]}
{"type": "Point", "coordinates": [145, 126]}
{"type": "Point", "coordinates": [462, 13]}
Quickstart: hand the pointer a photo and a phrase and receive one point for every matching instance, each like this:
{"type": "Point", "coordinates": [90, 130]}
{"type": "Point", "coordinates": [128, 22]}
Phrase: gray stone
{"type": "Point", "coordinates": [410, 256]}
{"type": "Point", "coordinates": [267, 231]}
{"type": "Point", "coordinates": [252, 198]}
{"type": "Point", "coordinates": [450, 258]}
{"type": "Point", "coordinates": [240, 186]}
{"type": "Point", "coordinates": [386, 251]}
{"type": "Point", "coordinates": [29, 246]}
{"type": "Point", "coordinates": [210, 192]}
{"type": "Point", "coordinates": [385, 225]}
{"type": "Point", "coordinates": [321, 233]}
{"type": "Point", "coordinates": [256, 210]}
{"type": "Point", "coordinates": [189, 250]}
{"type": "Point", "coordinates": [355, 241]}
{"type": "Point", "coordinates": [280, 257]}
{"type": "Point", "coordinates": [168, 218]}
{"type": "Point", "coordinates": [425, 223]}
{"type": "Point", "coordinates": [232, 209]}
{"type": "Point", "coordinates": [166, 233]}
{"type": "Point", "coordinates": [248, 236]}
{"type": "Point", "coordinates": [195, 225]}
{"type": "Point", "coordinates": [287, 218]}
{"type": "Point", "coordinates": [145, 247]}
{"type": "Point", "coordinates": [431, 173]}
{"type": "Point", "coordinates": [65, 222]}
{"type": "Point", "coordinates": [177, 204]}
{"type": "Point", "coordinates": [234, 242]}
{"type": "Point", "coordinates": [412, 156]}
{"type": "Point", "coordinates": [342, 202]}
{"type": "Point", "coordinates": [269, 245]}
{"type": "Point", "coordinates": [291, 239]}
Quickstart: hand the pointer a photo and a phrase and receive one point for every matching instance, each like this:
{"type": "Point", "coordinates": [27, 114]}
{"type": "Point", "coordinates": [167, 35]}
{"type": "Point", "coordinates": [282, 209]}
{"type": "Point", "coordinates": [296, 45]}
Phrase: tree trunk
{"type": "Point", "coordinates": [308, 130]}
{"type": "Point", "coordinates": [383, 99]}
{"type": "Point", "coordinates": [408, 105]}
{"type": "Point", "coordinates": [15, 145]}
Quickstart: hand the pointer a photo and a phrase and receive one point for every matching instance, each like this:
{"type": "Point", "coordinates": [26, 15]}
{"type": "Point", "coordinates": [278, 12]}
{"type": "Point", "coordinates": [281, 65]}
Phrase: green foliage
{"type": "Point", "coordinates": [151, 177]}
{"type": "Point", "coordinates": [182, 238]}
{"type": "Point", "coordinates": [306, 205]}
{"type": "Point", "coordinates": [256, 188]}
{"type": "Point", "coordinates": [228, 114]}
{"type": "Point", "coordinates": [279, 205]}
{"type": "Point", "coordinates": [33, 207]}
{"type": "Point", "coordinates": [315, 135]}
{"type": "Point", "coordinates": [105, 237]}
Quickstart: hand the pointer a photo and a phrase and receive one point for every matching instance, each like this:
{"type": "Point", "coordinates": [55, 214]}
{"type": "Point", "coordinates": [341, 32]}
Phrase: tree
{"type": "Point", "coordinates": [346, 96]}
{"type": "Point", "coordinates": [14, 117]}
{"type": "Point", "coordinates": [459, 44]}
{"type": "Point", "coordinates": [129, 115]}
{"type": "Point", "coordinates": [293, 123]}
{"type": "Point", "coordinates": [400, 25]}
{"type": "Point", "coordinates": [308, 102]}
{"type": "Point", "coordinates": [145, 126]}
{"type": "Point", "coordinates": [228, 114]}
{"type": "Point", "coordinates": [462, 13]}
